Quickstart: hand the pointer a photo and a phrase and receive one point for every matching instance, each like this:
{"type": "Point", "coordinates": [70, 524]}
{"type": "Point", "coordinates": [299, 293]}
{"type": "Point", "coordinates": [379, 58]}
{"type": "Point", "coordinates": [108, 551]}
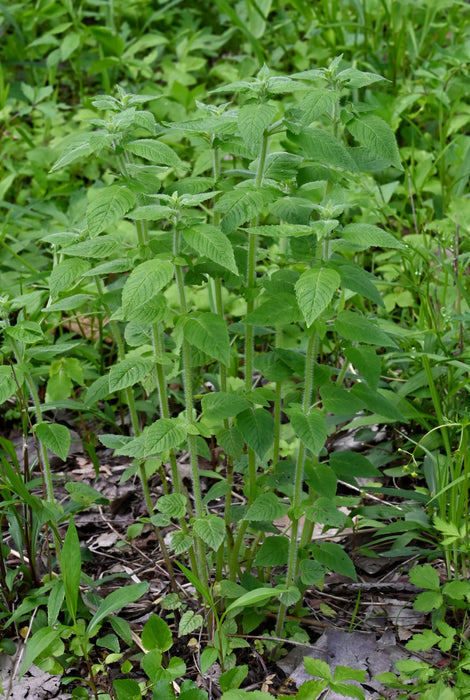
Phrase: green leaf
{"type": "Point", "coordinates": [99, 248]}
{"type": "Point", "coordinates": [128, 372]}
{"type": "Point", "coordinates": [28, 332]}
{"type": "Point", "coordinates": [378, 401]}
{"type": "Point", "coordinates": [315, 289]}
{"type": "Point", "coordinates": [423, 641]}
{"type": "Point", "coordinates": [338, 400]}
{"type": "Point", "coordinates": [365, 236]}
{"type": "Point", "coordinates": [65, 275]}
{"type": "Point", "coordinates": [164, 434]}
{"type": "Point", "coordinates": [85, 494]}
{"type": "Point", "coordinates": [210, 242]}
{"type": "Point", "coordinates": [219, 405]}
{"type": "Point", "coordinates": [36, 646]}
{"type": "Point", "coordinates": [156, 151]}
{"type": "Point", "coordinates": [189, 622]}
{"type": "Point", "coordinates": [354, 326]}
{"type": "Point", "coordinates": [367, 362]}
{"type": "Point", "coordinates": [277, 310]}
{"type": "Point", "coordinates": [282, 230]}
{"type": "Point", "coordinates": [322, 147]}
{"type": "Point", "coordinates": [143, 284]}
{"type": "Point", "coordinates": [238, 206]}
{"type": "Point", "coordinates": [428, 601]}
{"type": "Point", "coordinates": [311, 689]}
{"type": "Point", "coordinates": [211, 529]}
{"type": "Point", "coordinates": [334, 557]}
{"type": "Point", "coordinates": [151, 212]}
{"type": "Point", "coordinates": [310, 427]}
{"type": "Point", "coordinates": [274, 551]}
{"type": "Point", "coordinates": [173, 504]}
{"type": "Point", "coordinates": [117, 600]}
{"type": "Point", "coordinates": [253, 119]}
{"type": "Point", "coordinates": [358, 280]}
{"type": "Point", "coordinates": [8, 385]}
{"type": "Point", "coordinates": [233, 678]}
{"type": "Point", "coordinates": [71, 565]}
{"type": "Point", "coordinates": [258, 595]}
{"type": "Point", "coordinates": [348, 465]}
{"type": "Point", "coordinates": [127, 689]}
{"type": "Point", "coordinates": [107, 206]}
{"type": "Point", "coordinates": [208, 332]}
{"type": "Point", "coordinates": [156, 634]}
{"type": "Point", "coordinates": [316, 102]}
{"type": "Point", "coordinates": [230, 440]}
{"type": "Point", "coordinates": [377, 136]}
{"type": "Point", "coordinates": [54, 437]}
{"type": "Point", "coordinates": [257, 428]}
{"type": "Point", "coordinates": [316, 667]}
{"type": "Point", "coordinates": [266, 507]}
{"type": "Point", "coordinates": [425, 576]}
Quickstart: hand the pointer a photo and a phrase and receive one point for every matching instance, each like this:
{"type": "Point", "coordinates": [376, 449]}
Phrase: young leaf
{"type": "Point", "coordinates": [377, 136]}
{"type": "Point", "coordinates": [156, 151]}
{"type": "Point", "coordinates": [208, 332]}
{"type": "Point", "coordinates": [107, 206]}
{"type": "Point", "coordinates": [310, 427]}
{"type": "Point", "coordinates": [316, 667]}
{"type": "Point", "coordinates": [189, 622]}
{"type": "Point", "coordinates": [211, 529]}
{"type": "Point", "coordinates": [173, 505]}
{"type": "Point", "coordinates": [128, 372]}
{"type": "Point", "coordinates": [253, 119]}
{"type": "Point", "coordinates": [54, 437]}
{"type": "Point", "coordinates": [257, 428]}
{"type": "Point", "coordinates": [65, 275]}
{"type": "Point", "coordinates": [324, 148]}
{"type": "Point", "coordinates": [315, 290]}
{"type": "Point", "coordinates": [258, 595]}
{"type": "Point", "coordinates": [115, 601]}
{"type": "Point", "coordinates": [7, 383]}
{"type": "Point", "coordinates": [71, 565]}
{"type": "Point", "coordinates": [36, 646]}
{"type": "Point", "coordinates": [210, 242]}
{"type": "Point", "coordinates": [28, 332]}
{"type": "Point", "coordinates": [238, 206]}
{"type": "Point", "coordinates": [425, 576]}
{"type": "Point", "coordinates": [144, 283]}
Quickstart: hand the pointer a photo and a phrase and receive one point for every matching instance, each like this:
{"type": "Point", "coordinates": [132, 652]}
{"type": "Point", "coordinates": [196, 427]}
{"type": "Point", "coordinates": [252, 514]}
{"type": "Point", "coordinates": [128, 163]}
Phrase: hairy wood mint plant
{"type": "Point", "coordinates": [223, 253]}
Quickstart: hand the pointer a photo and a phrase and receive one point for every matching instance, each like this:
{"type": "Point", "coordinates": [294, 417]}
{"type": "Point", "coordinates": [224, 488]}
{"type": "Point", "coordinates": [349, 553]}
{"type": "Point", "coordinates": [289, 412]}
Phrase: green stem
{"type": "Point", "coordinates": [298, 480]}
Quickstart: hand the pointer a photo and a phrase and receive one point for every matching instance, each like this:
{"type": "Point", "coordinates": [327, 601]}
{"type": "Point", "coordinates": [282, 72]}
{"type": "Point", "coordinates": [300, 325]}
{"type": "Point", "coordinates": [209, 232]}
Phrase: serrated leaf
{"type": "Point", "coordinates": [211, 529]}
{"type": "Point", "coordinates": [322, 147]}
{"type": "Point", "coordinates": [128, 372]}
{"type": "Point", "coordinates": [266, 507]}
{"type": "Point", "coordinates": [221, 405]}
{"type": "Point", "coordinates": [367, 235]}
{"type": "Point", "coordinates": [423, 641]}
{"type": "Point", "coordinates": [377, 401]}
{"type": "Point", "coordinates": [377, 136]}
{"type": "Point", "coordinates": [338, 400]}
{"type": "Point", "coordinates": [107, 206]}
{"type": "Point", "coordinates": [314, 290]}
{"type": "Point", "coordinates": [257, 428]}
{"type": "Point", "coordinates": [99, 248]}
{"type": "Point", "coordinates": [172, 504]}
{"type": "Point", "coordinates": [354, 326]}
{"type": "Point", "coordinates": [428, 601]}
{"type": "Point", "coordinates": [208, 332]}
{"type": "Point", "coordinates": [358, 280]}
{"type": "Point", "coordinates": [310, 427]}
{"type": "Point", "coordinates": [231, 441]}
{"type": "Point", "coordinates": [425, 576]}
{"type": "Point", "coordinates": [189, 622]}
{"type": "Point", "coordinates": [150, 212]}
{"type": "Point", "coordinates": [316, 667]}
{"type": "Point", "coordinates": [164, 434]}
{"type": "Point", "coordinates": [334, 557]}
{"type": "Point", "coordinates": [144, 283]}
{"type": "Point", "coordinates": [273, 551]}
{"type": "Point", "coordinates": [210, 242]}
{"type": "Point", "coordinates": [277, 310]}
{"type": "Point", "coordinates": [257, 595]}
{"type": "Point", "coordinates": [281, 230]}
{"type": "Point", "coordinates": [238, 207]}
{"type": "Point", "coordinates": [316, 102]}
{"type": "Point", "coordinates": [65, 275]}
{"type": "Point", "coordinates": [367, 362]}
{"type": "Point", "coordinates": [25, 331]}
{"type": "Point", "coordinates": [156, 151]}
{"type": "Point", "coordinates": [54, 437]}
{"type": "Point", "coordinates": [253, 119]}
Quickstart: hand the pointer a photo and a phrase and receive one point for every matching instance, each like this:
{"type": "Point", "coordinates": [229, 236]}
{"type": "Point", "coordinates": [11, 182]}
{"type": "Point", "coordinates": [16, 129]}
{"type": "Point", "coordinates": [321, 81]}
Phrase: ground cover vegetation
{"type": "Point", "coordinates": [234, 253]}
